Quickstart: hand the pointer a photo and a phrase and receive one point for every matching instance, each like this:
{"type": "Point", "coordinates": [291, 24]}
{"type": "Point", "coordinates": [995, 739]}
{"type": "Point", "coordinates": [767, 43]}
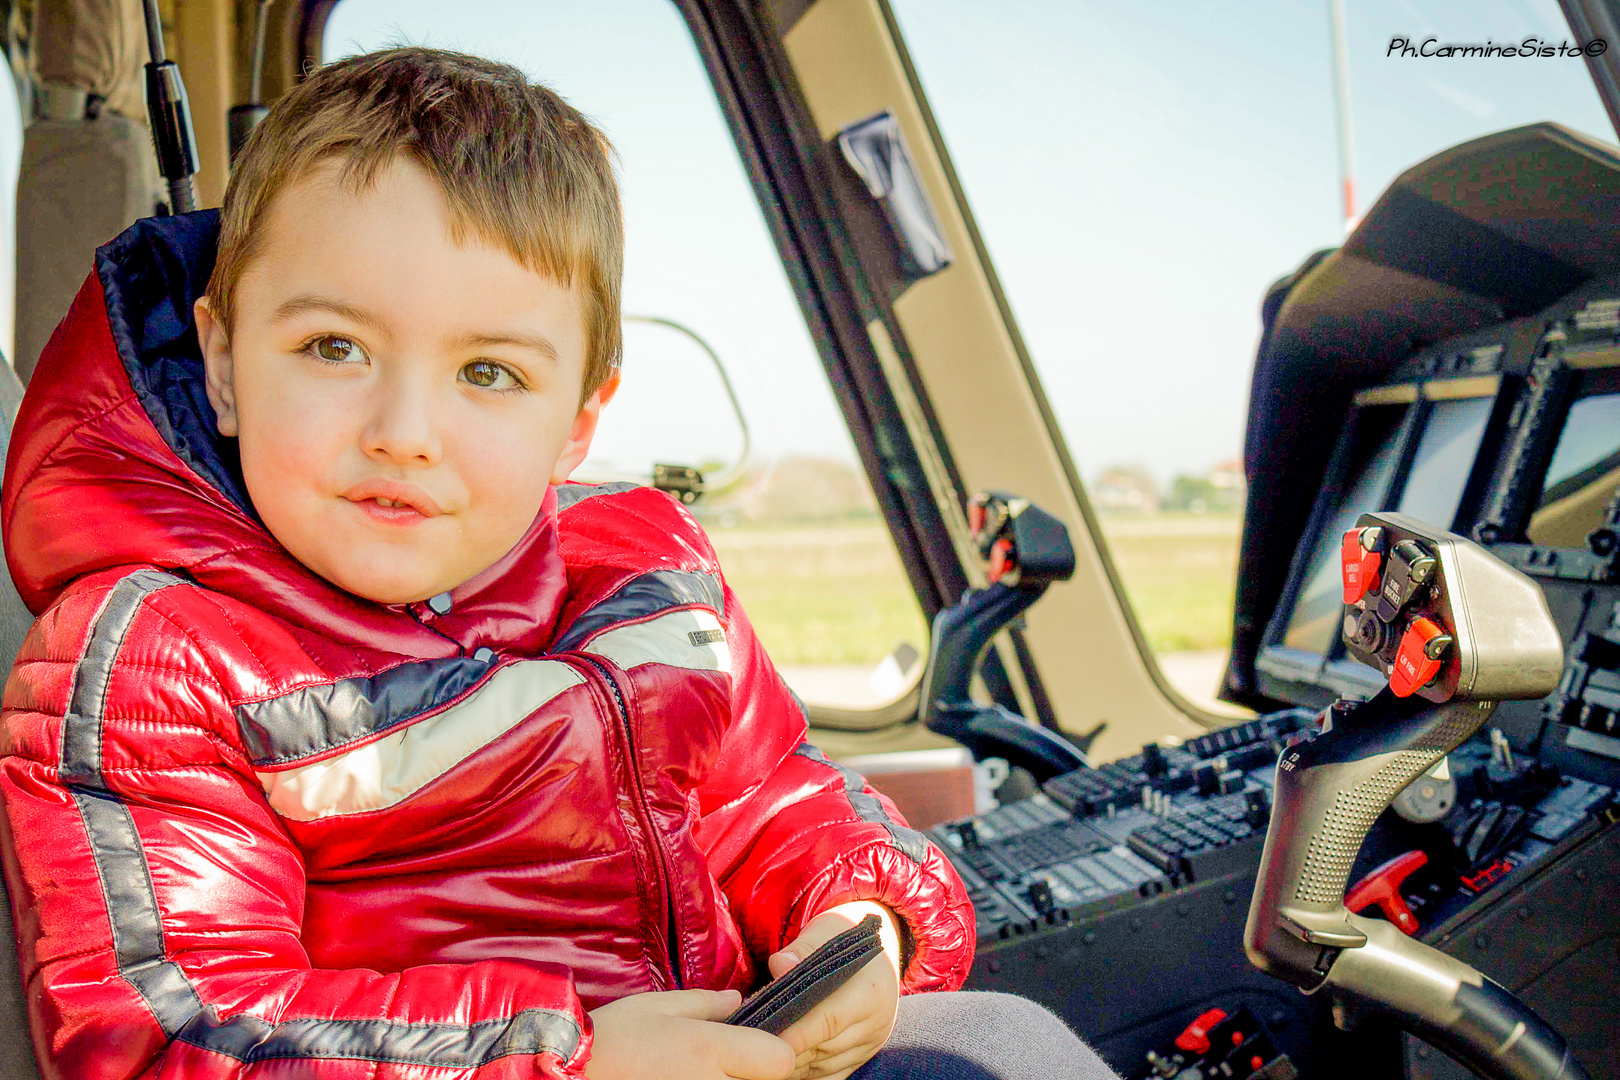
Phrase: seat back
{"type": "Point", "coordinates": [16, 1052]}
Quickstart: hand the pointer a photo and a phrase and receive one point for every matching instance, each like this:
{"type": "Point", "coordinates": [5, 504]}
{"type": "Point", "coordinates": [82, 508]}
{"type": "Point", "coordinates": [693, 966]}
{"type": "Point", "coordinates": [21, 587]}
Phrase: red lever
{"type": "Point", "coordinates": [1001, 559]}
{"type": "Point", "coordinates": [1418, 659]}
{"type": "Point", "coordinates": [1383, 887]}
{"type": "Point", "coordinates": [975, 516]}
{"type": "Point", "coordinates": [1195, 1040]}
{"type": "Point", "coordinates": [1360, 557]}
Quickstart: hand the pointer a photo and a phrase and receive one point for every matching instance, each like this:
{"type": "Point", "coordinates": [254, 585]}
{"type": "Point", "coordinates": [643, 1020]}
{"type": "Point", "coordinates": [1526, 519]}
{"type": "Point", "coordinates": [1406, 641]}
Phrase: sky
{"type": "Point", "coordinates": [1140, 174]}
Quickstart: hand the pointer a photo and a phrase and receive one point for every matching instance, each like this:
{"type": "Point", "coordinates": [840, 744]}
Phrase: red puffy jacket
{"type": "Point", "coordinates": [251, 819]}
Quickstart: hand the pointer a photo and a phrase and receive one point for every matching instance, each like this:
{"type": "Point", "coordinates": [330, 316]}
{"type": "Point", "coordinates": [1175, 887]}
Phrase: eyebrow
{"type": "Point", "coordinates": [304, 303]}
{"type": "Point", "coordinates": [535, 342]}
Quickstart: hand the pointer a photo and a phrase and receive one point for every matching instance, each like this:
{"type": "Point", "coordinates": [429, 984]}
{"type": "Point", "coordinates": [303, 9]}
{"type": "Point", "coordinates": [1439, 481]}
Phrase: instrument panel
{"type": "Point", "coordinates": [1117, 895]}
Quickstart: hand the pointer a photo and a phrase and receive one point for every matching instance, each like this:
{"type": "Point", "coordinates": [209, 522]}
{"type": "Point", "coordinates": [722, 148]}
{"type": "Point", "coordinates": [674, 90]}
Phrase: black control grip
{"type": "Point", "coordinates": [1497, 1035]}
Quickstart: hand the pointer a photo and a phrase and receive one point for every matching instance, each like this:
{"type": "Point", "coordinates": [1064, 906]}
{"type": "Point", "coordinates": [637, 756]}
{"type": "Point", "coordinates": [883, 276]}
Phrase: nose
{"type": "Point", "coordinates": [402, 421]}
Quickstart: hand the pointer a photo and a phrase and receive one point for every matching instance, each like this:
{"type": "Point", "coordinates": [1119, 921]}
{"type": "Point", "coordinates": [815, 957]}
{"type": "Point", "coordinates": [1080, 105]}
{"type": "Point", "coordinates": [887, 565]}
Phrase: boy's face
{"type": "Point", "coordinates": [401, 401]}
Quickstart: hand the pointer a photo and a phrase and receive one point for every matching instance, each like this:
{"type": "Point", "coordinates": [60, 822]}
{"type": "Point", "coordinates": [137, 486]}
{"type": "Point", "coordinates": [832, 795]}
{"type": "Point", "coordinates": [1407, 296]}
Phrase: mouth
{"type": "Point", "coordinates": [392, 501]}
{"type": "Point", "coordinates": [389, 515]}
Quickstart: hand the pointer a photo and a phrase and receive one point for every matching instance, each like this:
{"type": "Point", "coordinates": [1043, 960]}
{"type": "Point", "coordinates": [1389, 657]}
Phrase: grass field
{"type": "Point", "coordinates": [822, 594]}
{"type": "Point", "coordinates": [1179, 570]}
{"type": "Point", "coordinates": [836, 594]}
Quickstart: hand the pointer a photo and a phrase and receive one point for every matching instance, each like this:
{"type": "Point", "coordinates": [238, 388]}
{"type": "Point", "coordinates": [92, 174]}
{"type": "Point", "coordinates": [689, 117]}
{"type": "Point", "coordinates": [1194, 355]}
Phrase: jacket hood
{"type": "Point", "coordinates": [116, 461]}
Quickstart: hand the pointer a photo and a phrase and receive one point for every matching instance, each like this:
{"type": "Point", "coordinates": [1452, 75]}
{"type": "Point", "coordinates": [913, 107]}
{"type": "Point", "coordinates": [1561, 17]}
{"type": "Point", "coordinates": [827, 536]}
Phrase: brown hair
{"type": "Point", "coordinates": [519, 166]}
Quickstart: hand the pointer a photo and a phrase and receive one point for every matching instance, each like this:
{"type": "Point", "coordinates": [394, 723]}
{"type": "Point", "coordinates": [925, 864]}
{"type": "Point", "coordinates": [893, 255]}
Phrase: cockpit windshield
{"type": "Point", "coordinates": [1584, 473]}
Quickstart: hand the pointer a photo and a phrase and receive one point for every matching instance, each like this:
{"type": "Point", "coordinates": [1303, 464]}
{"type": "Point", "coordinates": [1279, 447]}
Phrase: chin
{"type": "Point", "coordinates": [383, 589]}
{"type": "Point", "coordinates": [390, 596]}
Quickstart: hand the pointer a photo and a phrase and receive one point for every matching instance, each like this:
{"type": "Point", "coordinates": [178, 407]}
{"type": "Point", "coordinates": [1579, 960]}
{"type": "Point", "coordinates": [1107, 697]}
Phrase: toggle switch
{"type": "Point", "coordinates": [1256, 808]}
{"type": "Point", "coordinates": [1360, 554]}
{"type": "Point", "coordinates": [1422, 650]}
{"type": "Point", "coordinates": [1041, 897]}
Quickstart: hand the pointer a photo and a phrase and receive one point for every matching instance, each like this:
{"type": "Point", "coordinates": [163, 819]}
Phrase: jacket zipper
{"type": "Point", "coordinates": [671, 931]}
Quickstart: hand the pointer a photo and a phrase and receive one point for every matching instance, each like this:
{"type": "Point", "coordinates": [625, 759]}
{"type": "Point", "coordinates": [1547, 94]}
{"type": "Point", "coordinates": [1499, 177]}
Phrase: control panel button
{"type": "Point", "coordinates": [1207, 776]}
{"type": "Point", "coordinates": [1361, 552]}
{"type": "Point", "coordinates": [1409, 568]}
{"type": "Point", "coordinates": [1422, 650]}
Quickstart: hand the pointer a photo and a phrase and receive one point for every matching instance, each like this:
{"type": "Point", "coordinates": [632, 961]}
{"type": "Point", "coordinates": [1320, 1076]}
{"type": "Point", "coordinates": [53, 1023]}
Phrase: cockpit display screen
{"type": "Point", "coordinates": [1375, 440]}
{"type": "Point", "coordinates": [1445, 455]}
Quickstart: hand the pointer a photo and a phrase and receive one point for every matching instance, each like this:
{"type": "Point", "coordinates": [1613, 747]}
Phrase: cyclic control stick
{"type": "Point", "coordinates": [1456, 631]}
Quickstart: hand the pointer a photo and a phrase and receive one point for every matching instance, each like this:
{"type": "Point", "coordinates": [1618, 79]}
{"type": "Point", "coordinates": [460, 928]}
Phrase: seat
{"type": "Point", "coordinates": [16, 1052]}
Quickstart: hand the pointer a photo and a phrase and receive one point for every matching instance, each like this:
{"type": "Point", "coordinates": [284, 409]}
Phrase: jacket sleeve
{"type": "Point", "coordinates": [789, 833]}
{"type": "Point", "coordinates": [158, 905]}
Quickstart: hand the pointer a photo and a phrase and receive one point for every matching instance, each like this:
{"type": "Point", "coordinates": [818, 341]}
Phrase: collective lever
{"type": "Point", "coordinates": [1455, 631]}
{"type": "Point", "coordinates": [1026, 550]}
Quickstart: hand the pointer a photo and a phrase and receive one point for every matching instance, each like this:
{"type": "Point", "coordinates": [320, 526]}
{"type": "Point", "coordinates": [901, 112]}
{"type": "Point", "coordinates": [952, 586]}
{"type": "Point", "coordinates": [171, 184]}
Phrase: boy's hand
{"type": "Point", "coordinates": [839, 1035]}
{"type": "Point", "coordinates": [671, 1036]}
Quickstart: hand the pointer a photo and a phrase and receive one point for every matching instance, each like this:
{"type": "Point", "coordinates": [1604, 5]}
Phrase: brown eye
{"type": "Point", "coordinates": [489, 375]}
{"type": "Point", "coordinates": [335, 349]}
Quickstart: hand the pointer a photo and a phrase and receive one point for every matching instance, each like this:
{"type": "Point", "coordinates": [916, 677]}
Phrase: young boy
{"type": "Point", "coordinates": [352, 741]}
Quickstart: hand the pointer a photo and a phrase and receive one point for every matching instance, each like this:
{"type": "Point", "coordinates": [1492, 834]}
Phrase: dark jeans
{"type": "Point", "coordinates": [972, 1035]}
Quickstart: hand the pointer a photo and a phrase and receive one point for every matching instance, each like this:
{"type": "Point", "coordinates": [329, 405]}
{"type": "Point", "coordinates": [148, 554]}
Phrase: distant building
{"type": "Point", "coordinates": [1222, 489]}
{"type": "Point", "coordinates": [1228, 475]}
{"type": "Point", "coordinates": [1125, 488]}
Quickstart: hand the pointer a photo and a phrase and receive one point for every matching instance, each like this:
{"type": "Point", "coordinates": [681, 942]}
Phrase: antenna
{"type": "Point", "coordinates": [170, 113]}
{"type": "Point", "coordinates": [1341, 101]}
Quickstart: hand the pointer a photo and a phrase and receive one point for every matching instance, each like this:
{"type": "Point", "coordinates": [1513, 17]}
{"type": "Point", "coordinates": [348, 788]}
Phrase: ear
{"type": "Point", "coordinates": [584, 430]}
{"type": "Point", "coordinates": [216, 351]}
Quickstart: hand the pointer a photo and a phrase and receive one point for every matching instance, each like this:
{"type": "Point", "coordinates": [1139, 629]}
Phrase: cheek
{"type": "Point", "coordinates": [506, 463]}
{"type": "Point", "coordinates": [287, 441]}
